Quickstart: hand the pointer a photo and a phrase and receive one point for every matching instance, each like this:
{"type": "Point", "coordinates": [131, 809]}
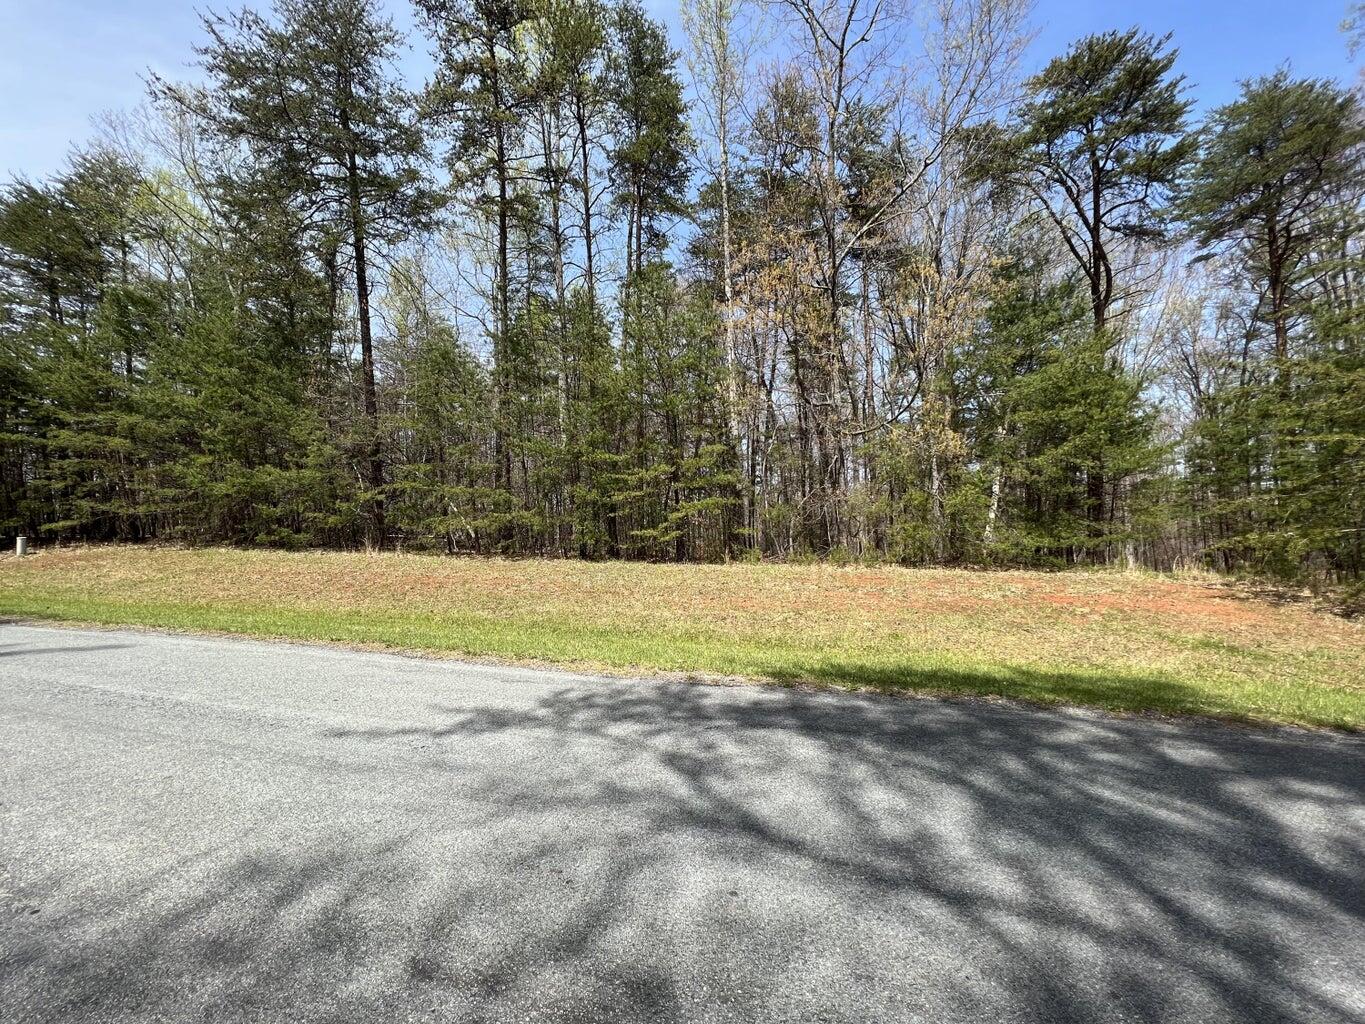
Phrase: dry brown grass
{"type": "Point", "coordinates": [1120, 640]}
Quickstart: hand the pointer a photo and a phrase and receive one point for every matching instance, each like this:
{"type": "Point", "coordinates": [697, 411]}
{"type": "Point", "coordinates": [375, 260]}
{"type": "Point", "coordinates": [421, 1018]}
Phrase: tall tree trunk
{"type": "Point", "coordinates": [564, 535]}
{"type": "Point", "coordinates": [581, 117]}
{"type": "Point", "coordinates": [374, 456]}
{"type": "Point", "coordinates": [501, 370]}
{"type": "Point", "coordinates": [1100, 294]}
{"type": "Point", "coordinates": [731, 353]}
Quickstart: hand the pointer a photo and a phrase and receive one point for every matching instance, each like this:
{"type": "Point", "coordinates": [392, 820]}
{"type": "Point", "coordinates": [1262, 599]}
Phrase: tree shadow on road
{"type": "Point", "coordinates": [671, 852]}
{"type": "Point", "coordinates": [15, 650]}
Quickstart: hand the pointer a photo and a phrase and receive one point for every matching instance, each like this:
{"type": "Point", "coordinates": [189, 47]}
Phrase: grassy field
{"type": "Point", "coordinates": [1124, 642]}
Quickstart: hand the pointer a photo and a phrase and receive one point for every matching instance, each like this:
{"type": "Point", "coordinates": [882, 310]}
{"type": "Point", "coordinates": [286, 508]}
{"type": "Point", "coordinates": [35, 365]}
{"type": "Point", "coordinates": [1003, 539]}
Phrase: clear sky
{"type": "Point", "coordinates": [62, 61]}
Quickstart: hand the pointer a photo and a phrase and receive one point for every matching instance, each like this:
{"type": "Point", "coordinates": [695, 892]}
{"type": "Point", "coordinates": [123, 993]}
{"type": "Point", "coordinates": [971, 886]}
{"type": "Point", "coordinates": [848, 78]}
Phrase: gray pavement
{"type": "Point", "coordinates": [196, 829]}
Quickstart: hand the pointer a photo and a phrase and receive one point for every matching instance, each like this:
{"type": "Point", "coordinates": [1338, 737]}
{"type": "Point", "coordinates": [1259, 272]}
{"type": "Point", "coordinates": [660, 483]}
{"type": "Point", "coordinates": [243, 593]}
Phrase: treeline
{"type": "Point", "coordinates": [836, 280]}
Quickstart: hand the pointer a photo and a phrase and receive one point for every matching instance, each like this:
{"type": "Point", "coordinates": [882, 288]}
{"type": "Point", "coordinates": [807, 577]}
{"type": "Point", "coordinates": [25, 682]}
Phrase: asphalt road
{"type": "Point", "coordinates": [214, 830]}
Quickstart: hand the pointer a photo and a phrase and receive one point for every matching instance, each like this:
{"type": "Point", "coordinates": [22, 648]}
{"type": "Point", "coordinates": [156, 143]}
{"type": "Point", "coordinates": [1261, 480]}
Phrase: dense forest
{"type": "Point", "coordinates": [827, 278]}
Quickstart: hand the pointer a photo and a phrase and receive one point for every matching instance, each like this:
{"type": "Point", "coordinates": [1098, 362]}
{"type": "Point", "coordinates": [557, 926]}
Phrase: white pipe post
{"type": "Point", "coordinates": [20, 547]}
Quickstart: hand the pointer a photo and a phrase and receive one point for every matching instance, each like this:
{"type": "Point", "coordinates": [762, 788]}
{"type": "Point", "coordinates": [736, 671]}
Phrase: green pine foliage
{"type": "Point", "coordinates": [1274, 455]}
{"type": "Point", "coordinates": [518, 312]}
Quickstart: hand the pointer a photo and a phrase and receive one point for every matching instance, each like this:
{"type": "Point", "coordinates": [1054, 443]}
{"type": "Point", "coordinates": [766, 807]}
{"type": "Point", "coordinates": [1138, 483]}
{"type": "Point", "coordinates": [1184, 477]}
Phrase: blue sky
{"type": "Point", "coordinates": [62, 61]}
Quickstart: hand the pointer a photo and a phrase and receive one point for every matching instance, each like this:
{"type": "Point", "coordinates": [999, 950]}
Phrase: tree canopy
{"type": "Point", "coordinates": [851, 286]}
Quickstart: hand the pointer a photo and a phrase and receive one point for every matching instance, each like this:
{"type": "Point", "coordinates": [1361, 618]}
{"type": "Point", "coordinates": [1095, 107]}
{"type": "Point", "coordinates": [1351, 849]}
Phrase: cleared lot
{"type": "Point", "coordinates": [1112, 640]}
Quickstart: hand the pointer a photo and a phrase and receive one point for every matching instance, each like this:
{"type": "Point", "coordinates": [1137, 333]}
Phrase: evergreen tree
{"type": "Point", "coordinates": [1269, 181]}
{"type": "Point", "coordinates": [482, 94]}
{"type": "Point", "coordinates": [1275, 199]}
{"type": "Point", "coordinates": [312, 95]}
{"type": "Point", "coordinates": [1098, 145]}
{"type": "Point", "coordinates": [649, 159]}
{"type": "Point", "coordinates": [1049, 410]}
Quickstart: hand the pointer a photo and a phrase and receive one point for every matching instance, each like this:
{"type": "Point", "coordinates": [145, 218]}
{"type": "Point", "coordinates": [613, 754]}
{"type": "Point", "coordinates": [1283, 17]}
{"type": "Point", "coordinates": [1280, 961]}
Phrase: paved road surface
{"type": "Point", "coordinates": [215, 830]}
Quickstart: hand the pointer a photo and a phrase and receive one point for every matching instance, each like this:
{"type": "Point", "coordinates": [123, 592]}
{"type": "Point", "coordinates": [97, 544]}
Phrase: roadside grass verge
{"type": "Point", "coordinates": [1121, 642]}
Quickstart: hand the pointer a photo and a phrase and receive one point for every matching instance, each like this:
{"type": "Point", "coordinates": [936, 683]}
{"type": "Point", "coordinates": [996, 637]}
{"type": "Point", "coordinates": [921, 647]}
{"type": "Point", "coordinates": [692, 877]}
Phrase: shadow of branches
{"type": "Point", "coordinates": [619, 851]}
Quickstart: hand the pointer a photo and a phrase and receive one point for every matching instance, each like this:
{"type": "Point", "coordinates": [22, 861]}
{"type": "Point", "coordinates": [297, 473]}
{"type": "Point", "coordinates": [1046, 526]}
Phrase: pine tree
{"type": "Point", "coordinates": [1271, 166]}
{"type": "Point", "coordinates": [312, 95]}
{"type": "Point", "coordinates": [1098, 145]}
{"type": "Point", "coordinates": [1275, 198]}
